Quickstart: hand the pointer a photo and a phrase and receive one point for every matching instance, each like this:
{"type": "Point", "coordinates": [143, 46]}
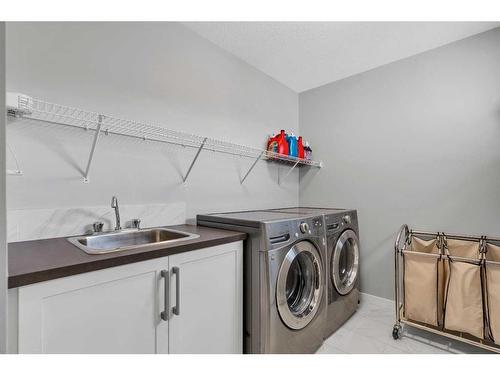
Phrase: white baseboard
{"type": "Point", "coordinates": [366, 296]}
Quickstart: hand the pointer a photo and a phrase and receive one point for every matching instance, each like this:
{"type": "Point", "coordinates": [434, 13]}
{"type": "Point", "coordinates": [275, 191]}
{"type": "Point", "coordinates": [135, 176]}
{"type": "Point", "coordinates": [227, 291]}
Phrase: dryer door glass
{"type": "Point", "coordinates": [299, 286]}
{"type": "Point", "coordinates": [345, 262]}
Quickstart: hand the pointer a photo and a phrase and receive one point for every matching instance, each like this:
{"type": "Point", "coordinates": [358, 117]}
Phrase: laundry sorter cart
{"type": "Point", "coordinates": [448, 284]}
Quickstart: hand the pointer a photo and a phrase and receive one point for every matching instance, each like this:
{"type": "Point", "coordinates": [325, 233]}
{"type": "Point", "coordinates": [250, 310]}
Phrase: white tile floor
{"type": "Point", "coordinates": [369, 331]}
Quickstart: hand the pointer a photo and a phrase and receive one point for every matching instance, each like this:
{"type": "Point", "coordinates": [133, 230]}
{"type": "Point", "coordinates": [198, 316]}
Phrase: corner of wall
{"type": "Point", "coordinates": [3, 224]}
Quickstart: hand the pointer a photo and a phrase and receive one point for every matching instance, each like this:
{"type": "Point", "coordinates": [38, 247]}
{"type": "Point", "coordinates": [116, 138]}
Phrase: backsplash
{"type": "Point", "coordinates": [32, 224]}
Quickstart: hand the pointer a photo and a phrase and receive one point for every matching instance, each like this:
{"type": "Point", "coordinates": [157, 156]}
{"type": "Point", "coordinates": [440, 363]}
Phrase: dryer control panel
{"type": "Point", "coordinates": [291, 230]}
{"type": "Point", "coordinates": [338, 222]}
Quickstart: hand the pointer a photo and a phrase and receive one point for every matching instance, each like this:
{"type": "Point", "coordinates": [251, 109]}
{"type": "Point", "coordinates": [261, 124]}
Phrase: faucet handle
{"type": "Point", "coordinates": [98, 225]}
{"type": "Point", "coordinates": [136, 223]}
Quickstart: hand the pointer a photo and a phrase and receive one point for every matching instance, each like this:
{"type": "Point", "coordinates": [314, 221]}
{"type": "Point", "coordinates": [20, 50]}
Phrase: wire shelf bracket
{"type": "Point", "coordinates": [92, 150]}
{"type": "Point", "coordinates": [252, 166]}
{"type": "Point", "coordinates": [288, 173]}
{"type": "Point", "coordinates": [184, 179]}
{"type": "Point", "coordinates": [17, 171]}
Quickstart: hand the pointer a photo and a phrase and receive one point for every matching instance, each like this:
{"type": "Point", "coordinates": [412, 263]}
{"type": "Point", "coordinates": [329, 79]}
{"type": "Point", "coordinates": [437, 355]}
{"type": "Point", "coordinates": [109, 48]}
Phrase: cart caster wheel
{"type": "Point", "coordinates": [396, 332]}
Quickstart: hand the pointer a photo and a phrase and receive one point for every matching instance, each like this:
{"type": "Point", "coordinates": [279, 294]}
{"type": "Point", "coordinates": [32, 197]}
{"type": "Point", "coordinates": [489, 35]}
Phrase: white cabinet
{"type": "Point", "coordinates": [108, 311]}
{"type": "Point", "coordinates": [118, 310]}
{"type": "Point", "coordinates": [209, 286]}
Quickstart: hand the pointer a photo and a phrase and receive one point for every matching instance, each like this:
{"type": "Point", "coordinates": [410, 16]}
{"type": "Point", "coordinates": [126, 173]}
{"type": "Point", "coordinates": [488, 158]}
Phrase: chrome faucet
{"type": "Point", "coordinates": [114, 204]}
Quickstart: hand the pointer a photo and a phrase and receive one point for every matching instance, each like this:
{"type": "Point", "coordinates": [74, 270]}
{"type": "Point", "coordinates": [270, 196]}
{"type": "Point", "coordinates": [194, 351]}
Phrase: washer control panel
{"type": "Point", "coordinates": [304, 227]}
{"type": "Point", "coordinates": [317, 222]}
{"type": "Point", "coordinates": [313, 225]}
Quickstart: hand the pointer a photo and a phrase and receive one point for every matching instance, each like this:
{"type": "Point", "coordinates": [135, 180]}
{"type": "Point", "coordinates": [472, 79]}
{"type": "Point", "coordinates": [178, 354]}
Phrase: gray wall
{"type": "Point", "coordinates": [416, 142]}
{"type": "Point", "coordinates": [154, 72]}
{"type": "Point", "coordinates": [3, 244]}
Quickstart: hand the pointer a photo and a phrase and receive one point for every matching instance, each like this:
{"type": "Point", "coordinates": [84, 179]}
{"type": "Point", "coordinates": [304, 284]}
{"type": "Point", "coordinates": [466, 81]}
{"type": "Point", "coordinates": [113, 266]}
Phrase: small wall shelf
{"type": "Point", "coordinates": [20, 105]}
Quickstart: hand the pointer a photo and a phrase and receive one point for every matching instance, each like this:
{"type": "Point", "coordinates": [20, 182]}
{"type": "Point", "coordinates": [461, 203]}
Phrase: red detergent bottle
{"type": "Point", "coordinates": [300, 147]}
{"type": "Point", "coordinates": [282, 143]}
{"type": "Point", "coordinates": [272, 143]}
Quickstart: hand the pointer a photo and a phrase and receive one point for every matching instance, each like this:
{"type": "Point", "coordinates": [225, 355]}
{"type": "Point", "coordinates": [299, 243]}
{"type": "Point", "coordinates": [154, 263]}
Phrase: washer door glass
{"type": "Point", "coordinates": [345, 262]}
{"type": "Point", "coordinates": [299, 286]}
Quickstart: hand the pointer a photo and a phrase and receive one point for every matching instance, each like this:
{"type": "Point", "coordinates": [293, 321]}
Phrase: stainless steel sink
{"type": "Point", "coordinates": [129, 239]}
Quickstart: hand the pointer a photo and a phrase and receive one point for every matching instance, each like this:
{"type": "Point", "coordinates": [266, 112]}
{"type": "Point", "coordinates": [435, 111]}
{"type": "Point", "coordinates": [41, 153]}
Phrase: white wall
{"type": "Point", "coordinates": [3, 242]}
{"type": "Point", "coordinates": [157, 72]}
{"type": "Point", "coordinates": [416, 142]}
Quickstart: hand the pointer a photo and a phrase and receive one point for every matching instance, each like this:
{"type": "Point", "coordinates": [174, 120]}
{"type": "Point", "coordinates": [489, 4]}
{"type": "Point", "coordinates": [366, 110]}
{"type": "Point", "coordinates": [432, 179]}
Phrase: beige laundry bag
{"type": "Point", "coordinates": [423, 282]}
{"type": "Point", "coordinates": [492, 290]}
{"type": "Point", "coordinates": [463, 249]}
{"type": "Point", "coordinates": [464, 299]}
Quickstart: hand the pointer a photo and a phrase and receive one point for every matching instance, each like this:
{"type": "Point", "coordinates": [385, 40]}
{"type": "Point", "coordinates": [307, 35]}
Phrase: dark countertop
{"type": "Point", "coordinates": [41, 260]}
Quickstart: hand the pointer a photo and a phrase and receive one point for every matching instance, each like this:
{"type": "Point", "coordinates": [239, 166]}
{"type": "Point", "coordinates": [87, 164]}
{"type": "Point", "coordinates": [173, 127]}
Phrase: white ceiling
{"type": "Point", "coordinates": [304, 55]}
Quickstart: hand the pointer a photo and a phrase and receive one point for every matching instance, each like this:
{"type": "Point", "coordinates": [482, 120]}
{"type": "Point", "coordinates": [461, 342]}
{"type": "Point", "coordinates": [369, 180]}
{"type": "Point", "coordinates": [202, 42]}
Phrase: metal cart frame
{"type": "Point", "coordinates": [401, 243]}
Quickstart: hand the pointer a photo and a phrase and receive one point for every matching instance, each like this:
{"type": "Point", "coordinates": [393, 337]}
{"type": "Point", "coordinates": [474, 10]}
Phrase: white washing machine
{"type": "Point", "coordinates": [342, 234]}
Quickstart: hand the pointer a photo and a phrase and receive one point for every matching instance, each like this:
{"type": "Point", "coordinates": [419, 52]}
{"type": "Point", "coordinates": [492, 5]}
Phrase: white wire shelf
{"type": "Point", "coordinates": [36, 109]}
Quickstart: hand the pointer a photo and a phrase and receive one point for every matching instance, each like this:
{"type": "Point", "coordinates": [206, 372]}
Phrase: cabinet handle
{"type": "Point", "coordinates": [166, 279]}
{"type": "Point", "coordinates": [177, 308]}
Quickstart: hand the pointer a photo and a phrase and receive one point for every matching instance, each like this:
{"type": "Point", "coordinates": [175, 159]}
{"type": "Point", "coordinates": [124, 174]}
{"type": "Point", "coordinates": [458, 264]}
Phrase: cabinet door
{"type": "Point", "coordinates": [115, 310]}
{"type": "Point", "coordinates": [206, 288]}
